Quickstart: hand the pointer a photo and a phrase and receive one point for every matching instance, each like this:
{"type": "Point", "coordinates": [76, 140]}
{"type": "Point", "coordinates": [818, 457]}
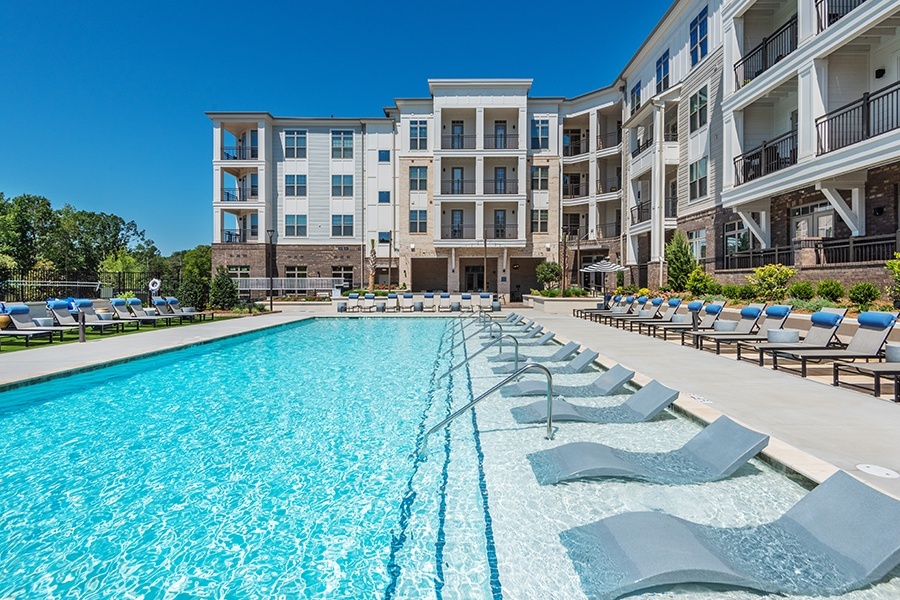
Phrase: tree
{"type": "Point", "coordinates": [197, 260]}
{"type": "Point", "coordinates": [194, 290]}
{"type": "Point", "coordinates": [26, 223]}
{"type": "Point", "coordinates": [223, 293]}
{"type": "Point", "coordinates": [371, 265]}
{"type": "Point", "coordinates": [81, 239]}
{"type": "Point", "coordinates": [680, 261]}
{"type": "Point", "coordinates": [119, 262]}
{"type": "Point", "coordinates": [548, 274]}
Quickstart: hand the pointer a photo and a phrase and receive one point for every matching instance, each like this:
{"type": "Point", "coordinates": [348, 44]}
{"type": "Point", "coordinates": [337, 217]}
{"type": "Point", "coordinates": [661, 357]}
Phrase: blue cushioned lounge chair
{"type": "Point", "coordinates": [823, 329]}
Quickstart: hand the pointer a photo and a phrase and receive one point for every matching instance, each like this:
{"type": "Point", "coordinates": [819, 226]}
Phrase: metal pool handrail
{"type": "Point", "coordinates": [510, 379]}
{"type": "Point", "coordinates": [458, 344]}
{"type": "Point", "coordinates": [499, 340]}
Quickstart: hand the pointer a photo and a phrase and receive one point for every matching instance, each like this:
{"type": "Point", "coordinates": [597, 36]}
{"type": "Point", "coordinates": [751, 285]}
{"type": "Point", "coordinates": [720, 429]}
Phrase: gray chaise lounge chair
{"type": "Point", "coordinates": [641, 406]}
{"type": "Point", "coordinates": [20, 317]}
{"type": "Point", "coordinates": [650, 310]}
{"type": "Point", "coordinates": [715, 453]}
{"type": "Point", "coordinates": [746, 324]}
{"type": "Point", "coordinates": [632, 307]}
{"type": "Point", "coordinates": [822, 331]}
{"type": "Point", "coordinates": [60, 310]}
{"type": "Point", "coordinates": [775, 317]}
{"type": "Point", "coordinates": [611, 382]}
{"type": "Point", "coordinates": [666, 317]}
{"type": "Point", "coordinates": [189, 312]}
{"type": "Point", "coordinates": [710, 314]}
{"type": "Point", "coordinates": [579, 364]}
{"type": "Point", "coordinates": [560, 355]}
{"type": "Point", "coordinates": [839, 537]}
{"type": "Point", "coordinates": [867, 342]}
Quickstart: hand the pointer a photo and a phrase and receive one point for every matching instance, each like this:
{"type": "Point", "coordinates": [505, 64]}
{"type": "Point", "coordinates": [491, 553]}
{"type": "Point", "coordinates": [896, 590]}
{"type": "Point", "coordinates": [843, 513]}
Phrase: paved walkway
{"type": "Point", "coordinates": [842, 427]}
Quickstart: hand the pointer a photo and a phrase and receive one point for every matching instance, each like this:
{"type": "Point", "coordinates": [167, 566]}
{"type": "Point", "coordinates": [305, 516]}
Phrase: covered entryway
{"type": "Point", "coordinates": [522, 277]}
{"type": "Point", "coordinates": [472, 277]}
{"type": "Point", "coordinates": [428, 274]}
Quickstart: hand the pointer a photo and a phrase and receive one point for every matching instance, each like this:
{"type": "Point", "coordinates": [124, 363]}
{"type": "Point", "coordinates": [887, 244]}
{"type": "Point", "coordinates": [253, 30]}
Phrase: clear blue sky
{"type": "Point", "coordinates": [102, 103]}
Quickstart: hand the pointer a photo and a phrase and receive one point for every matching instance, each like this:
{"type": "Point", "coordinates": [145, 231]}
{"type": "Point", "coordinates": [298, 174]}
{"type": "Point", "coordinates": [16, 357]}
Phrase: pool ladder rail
{"type": "Point", "coordinates": [494, 342]}
{"type": "Point", "coordinates": [511, 379]}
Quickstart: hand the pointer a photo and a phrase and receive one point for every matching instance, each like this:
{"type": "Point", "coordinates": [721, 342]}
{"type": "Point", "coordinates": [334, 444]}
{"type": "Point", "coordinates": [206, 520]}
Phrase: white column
{"type": "Point", "coordinates": [523, 129]}
{"type": "Point", "coordinates": [479, 128]}
{"type": "Point", "coordinates": [522, 169]}
{"type": "Point", "coordinates": [218, 134]}
{"type": "Point", "coordinates": [657, 186]}
{"type": "Point", "coordinates": [262, 138]}
{"type": "Point", "coordinates": [731, 53]}
{"type": "Point", "coordinates": [732, 130]}
{"type": "Point", "coordinates": [479, 175]}
{"type": "Point", "coordinates": [479, 220]}
{"type": "Point", "coordinates": [522, 221]}
{"type": "Point", "coordinates": [218, 225]}
{"type": "Point", "coordinates": [593, 130]}
{"type": "Point", "coordinates": [812, 90]}
{"type": "Point", "coordinates": [436, 130]}
{"type": "Point", "coordinates": [806, 20]}
{"type": "Point", "coordinates": [592, 219]}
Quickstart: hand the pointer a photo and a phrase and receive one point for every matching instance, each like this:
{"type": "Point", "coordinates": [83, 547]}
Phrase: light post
{"type": "Point", "coordinates": [271, 234]}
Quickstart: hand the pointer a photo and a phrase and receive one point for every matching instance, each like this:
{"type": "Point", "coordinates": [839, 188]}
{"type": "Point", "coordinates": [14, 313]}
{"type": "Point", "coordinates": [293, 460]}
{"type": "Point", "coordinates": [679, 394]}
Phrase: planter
{"type": "Point", "coordinates": [783, 336]}
{"type": "Point", "coordinates": [4, 321]}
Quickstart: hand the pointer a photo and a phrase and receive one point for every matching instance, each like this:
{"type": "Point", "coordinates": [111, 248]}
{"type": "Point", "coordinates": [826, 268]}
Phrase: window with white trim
{"type": "Point", "coordinates": [295, 185]}
{"type": "Point", "coordinates": [294, 144]}
{"type": "Point", "coordinates": [342, 225]}
{"type": "Point", "coordinates": [418, 135]}
{"type": "Point", "coordinates": [342, 144]}
{"type": "Point", "coordinates": [540, 134]}
{"type": "Point", "coordinates": [699, 36]}
{"type": "Point", "coordinates": [341, 186]}
{"type": "Point", "coordinates": [540, 177]}
{"type": "Point", "coordinates": [697, 179]}
{"type": "Point", "coordinates": [697, 241]}
{"type": "Point", "coordinates": [418, 221]}
{"type": "Point", "coordinates": [698, 109]}
{"type": "Point", "coordinates": [636, 97]}
{"type": "Point", "coordinates": [295, 225]}
{"type": "Point", "coordinates": [662, 73]}
{"type": "Point", "coordinates": [539, 220]}
{"type": "Point", "coordinates": [418, 179]}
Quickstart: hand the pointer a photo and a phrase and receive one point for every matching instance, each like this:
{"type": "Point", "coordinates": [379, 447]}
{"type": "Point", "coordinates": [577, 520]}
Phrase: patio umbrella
{"type": "Point", "coordinates": [603, 266]}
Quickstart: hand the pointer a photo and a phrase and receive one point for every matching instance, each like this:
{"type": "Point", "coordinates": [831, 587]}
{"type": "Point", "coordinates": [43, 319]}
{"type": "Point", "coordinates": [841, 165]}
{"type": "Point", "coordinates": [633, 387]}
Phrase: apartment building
{"type": "Point", "coordinates": [768, 131]}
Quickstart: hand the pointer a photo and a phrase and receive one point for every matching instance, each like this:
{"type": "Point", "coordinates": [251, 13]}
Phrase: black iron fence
{"type": "Point", "coordinates": [240, 153]}
{"type": "Point", "coordinates": [576, 146]}
{"type": "Point", "coordinates": [458, 186]}
{"type": "Point", "coordinates": [501, 186]}
{"type": "Point", "coordinates": [609, 140]}
{"type": "Point", "coordinates": [35, 285]}
{"type": "Point", "coordinates": [875, 248]}
{"type": "Point", "coordinates": [642, 145]}
{"type": "Point", "coordinates": [767, 158]}
{"type": "Point", "coordinates": [829, 12]}
{"type": "Point", "coordinates": [753, 258]}
{"type": "Point", "coordinates": [574, 190]}
{"type": "Point", "coordinates": [873, 114]}
{"type": "Point", "coordinates": [502, 141]}
{"type": "Point", "coordinates": [458, 142]}
{"type": "Point", "coordinates": [771, 50]}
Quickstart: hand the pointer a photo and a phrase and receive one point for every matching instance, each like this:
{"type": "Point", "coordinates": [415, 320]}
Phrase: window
{"type": "Point", "coordinates": [384, 197]}
{"type": "Point", "coordinates": [295, 272]}
{"type": "Point", "coordinates": [737, 237]}
{"type": "Point", "coordinates": [699, 43]}
{"type": "Point", "coordinates": [342, 185]}
{"type": "Point", "coordinates": [539, 178]}
{"type": "Point", "coordinates": [418, 135]}
{"type": "Point", "coordinates": [697, 240]}
{"type": "Point", "coordinates": [294, 144]}
{"type": "Point", "coordinates": [384, 156]}
{"type": "Point", "coordinates": [341, 225]}
{"type": "Point", "coordinates": [636, 97]}
{"type": "Point", "coordinates": [662, 73]}
{"type": "Point", "coordinates": [295, 185]}
{"type": "Point", "coordinates": [240, 272]}
{"type": "Point", "coordinates": [698, 179]}
{"type": "Point", "coordinates": [384, 237]}
{"type": "Point", "coordinates": [341, 144]}
{"type": "Point", "coordinates": [418, 178]}
{"type": "Point", "coordinates": [540, 134]}
{"type": "Point", "coordinates": [345, 273]}
{"type": "Point", "coordinates": [418, 221]}
{"type": "Point", "coordinates": [812, 220]}
{"type": "Point", "coordinates": [539, 221]}
{"type": "Point", "coordinates": [295, 225]}
{"type": "Point", "coordinates": [698, 110]}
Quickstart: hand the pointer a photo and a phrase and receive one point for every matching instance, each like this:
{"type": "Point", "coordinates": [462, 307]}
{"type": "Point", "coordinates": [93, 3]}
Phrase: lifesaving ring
{"type": "Point", "coordinates": [154, 285]}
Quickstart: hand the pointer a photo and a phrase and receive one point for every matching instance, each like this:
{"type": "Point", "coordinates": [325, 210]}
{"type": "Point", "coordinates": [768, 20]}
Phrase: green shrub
{"type": "Point", "coordinates": [576, 291]}
{"type": "Point", "coordinates": [801, 290]}
{"type": "Point", "coordinates": [620, 278]}
{"type": "Point", "coordinates": [830, 290]}
{"type": "Point", "coordinates": [739, 292]}
{"type": "Point", "coordinates": [223, 293]}
{"type": "Point", "coordinates": [814, 305]}
{"type": "Point", "coordinates": [894, 267]}
{"type": "Point", "coordinates": [194, 290]}
{"type": "Point", "coordinates": [701, 283]}
{"type": "Point", "coordinates": [548, 273]}
{"type": "Point", "coordinates": [680, 261]}
{"type": "Point", "coordinates": [551, 293]}
{"type": "Point", "coordinates": [770, 281]}
{"type": "Point", "coordinates": [863, 294]}
{"type": "Point", "coordinates": [664, 289]}
{"type": "Point", "coordinates": [630, 289]}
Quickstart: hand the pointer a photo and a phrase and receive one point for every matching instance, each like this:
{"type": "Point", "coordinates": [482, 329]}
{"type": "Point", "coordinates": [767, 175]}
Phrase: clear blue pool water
{"type": "Point", "coordinates": [261, 466]}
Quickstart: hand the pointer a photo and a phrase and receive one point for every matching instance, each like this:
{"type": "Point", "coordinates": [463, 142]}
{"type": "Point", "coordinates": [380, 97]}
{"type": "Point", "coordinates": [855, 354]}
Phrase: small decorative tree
{"type": "Point", "coordinates": [894, 290]}
{"type": "Point", "coordinates": [194, 290]}
{"type": "Point", "coordinates": [372, 264]}
{"type": "Point", "coordinates": [771, 281]}
{"type": "Point", "coordinates": [223, 293]}
{"type": "Point", "coordinates": [680, 261]}
{"type": "Point", "coordinates": [548, 274]}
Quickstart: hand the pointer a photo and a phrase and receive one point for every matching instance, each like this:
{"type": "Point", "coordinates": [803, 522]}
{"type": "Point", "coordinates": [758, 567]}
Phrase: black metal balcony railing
{"type": "Point", "coordinates": [458, 186]}
{"type": "Point", "coordinates": [501, 186]}
{"type": "Point", "coordinates": [640, 213]}
{"type": "Point", "coordinates": [576, 146]}
{"type": "Point", "coordinates": [458, 142]}
{"type": "Point", "coordinates": [671, 207]}
{"type": "Point", "coordinates": [573, 233]}
{"type": "Point", "coordinates": [771, 50]}
{"type": "Point", "coordinates": [871, 115]}
{"type": "Point", "coordinates": [609, 230]}
{"type": "Point", "coordinates": [240, 194]}
{"type": "Point", "coordinates": [642, 145]}
{"type": "Point", "coordinates": [240, 153]}
{"type": "Point", "coordinates": [829, 12]}
{"type": "Point", "coordinates": [574, 190]}
{"type": "Point", "coordinates": [766, 158]}
{"type": "Point", "coordinates": [505, 141]}
{"type": "Point", "coordinates": [458, 232]}
{"type": "Point", "coordinates": [609, 140]}
{"type": "Point", "coordinates": [876, 248]}
{"type": "Point", "coordinates": [501, 232]}
{"type": "Point", "coordinates": [610, 184]}
{"type": "Point", "coordinates": [753, 258]}
{"type": "Point", "coordinates": [670, 137]}
{"type": "Point", "coordinates": [238, 236]}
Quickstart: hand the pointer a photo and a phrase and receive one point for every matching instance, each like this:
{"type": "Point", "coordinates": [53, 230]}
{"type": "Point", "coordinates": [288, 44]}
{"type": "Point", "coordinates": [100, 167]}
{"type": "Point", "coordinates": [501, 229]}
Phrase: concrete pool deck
{"type": "Point", "coordinates": [831, 427]}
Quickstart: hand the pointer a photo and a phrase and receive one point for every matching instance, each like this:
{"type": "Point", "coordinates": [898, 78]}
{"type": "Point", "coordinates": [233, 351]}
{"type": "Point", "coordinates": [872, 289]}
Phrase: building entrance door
{"type": "Point", "coordinates": [474, 278]}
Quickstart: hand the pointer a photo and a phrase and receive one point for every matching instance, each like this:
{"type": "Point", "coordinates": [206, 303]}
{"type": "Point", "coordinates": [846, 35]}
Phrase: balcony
{"type": "Point", "coordinates": [641, 212]}
{"type": "Point", "coordinates": [508, 141]}
{"type": "Point", "coordinates": [642, 145]}
{"type": "Point", "coordinates": [876, 248]}
{"type": "Point", "coordinates": [771, 50]}
{"type": "Point", "coordinates": [609, 185]}
{"type": "Point", "coordinates": [240, 153]}
{"type": "Point", "coordinates": [609, 140]}
{"type": "Point", "coordinates": [751, 259]}
{"type": "Point", "coordinates": [491, 232]}
{"type": "Point", "coordinates": [870, 116]}
{"type": "Point", "coordinates": [238, 236]}
{"type": "Point", "coordinates": [458, 232]}
{"type": "Point", "coordinates": [457, 142]}
{"type": "Point", "coordinates": [576, 147]}
{"type": "Point", "coordinates": [829, 12]}
{"type": "Point", "coordinates": [574, 190]}
{"type": "Point", "coordinates": [501, 186]}
{"type": "Point", "coordinates": [671, 207]}
{"type": "Point", "coordinates": [501, 232]}
{"type": "Point", "coordinates": [609, 230]}
{"type": "Point", "coordinates": [240, 195]}
{"type": "Point", "coordinates": [767, 158]}
{"type": "Point", "coordinates": [458, 186]}
{"type": "Point", "coordinates": [670, 137]}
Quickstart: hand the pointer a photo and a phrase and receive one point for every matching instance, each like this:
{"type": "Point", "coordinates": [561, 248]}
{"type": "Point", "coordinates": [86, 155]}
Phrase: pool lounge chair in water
{"type": "Point", "coordinates": [867, 342]}
{"type": "Point", "coordinates": [579, 364]}
{"type": "Point", "coordinates": [839, 537]}
{"type": "Point", "coordinates": [511, 318]}
{"type": "Point", "coordinates": [611, 382]}
{"type": "Point", "coordinates": [719, 450]}
{"type": "Point", "coordinates": [546, 338]}
{"type": "Point", "coordinates": [822, 331]}
{"type": "Point", "coordinates": [643, 405]}
{"type": "Point", "coordinates": [560, 355]}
